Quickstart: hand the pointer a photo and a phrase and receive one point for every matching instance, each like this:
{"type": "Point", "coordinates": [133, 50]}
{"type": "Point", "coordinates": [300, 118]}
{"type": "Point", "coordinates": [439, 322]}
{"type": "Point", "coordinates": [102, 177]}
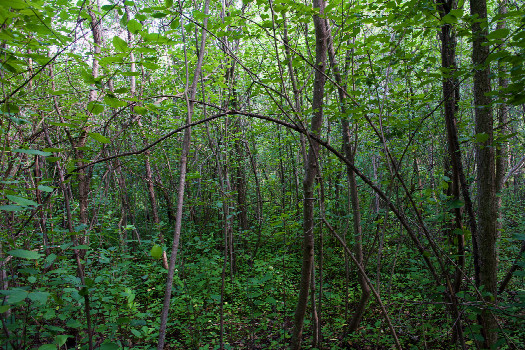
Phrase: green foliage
{"type": "Point", "coordinates": [156, 251]}
{"type": "Point", "coordinates": [64, 105]}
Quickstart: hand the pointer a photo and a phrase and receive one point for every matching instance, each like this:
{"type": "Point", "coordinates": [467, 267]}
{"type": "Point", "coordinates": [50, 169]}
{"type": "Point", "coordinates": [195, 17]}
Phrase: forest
{"type": "Point", "coordinates": [262, 174]}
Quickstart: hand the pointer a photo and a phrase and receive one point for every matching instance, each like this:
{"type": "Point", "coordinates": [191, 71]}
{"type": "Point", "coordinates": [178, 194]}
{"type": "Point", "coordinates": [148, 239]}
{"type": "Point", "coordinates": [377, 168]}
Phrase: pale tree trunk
{"type": "Point", "coordinates": [311, 171]}
{"type": "Point", "coordinates": [485, 163]}
{"type": "Point", "coordinates": [190, 94]}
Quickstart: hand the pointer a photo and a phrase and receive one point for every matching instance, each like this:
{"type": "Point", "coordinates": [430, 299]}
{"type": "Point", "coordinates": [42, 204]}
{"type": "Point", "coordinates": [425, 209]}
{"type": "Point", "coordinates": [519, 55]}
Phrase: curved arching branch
{"type": "Point", "coordinates": [401, 217]}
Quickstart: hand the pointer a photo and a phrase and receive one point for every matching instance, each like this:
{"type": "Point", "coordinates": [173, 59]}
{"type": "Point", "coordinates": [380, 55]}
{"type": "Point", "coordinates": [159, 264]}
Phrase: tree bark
{"type": "Point", "coordinates": [485, 163]}
{"type": "Point", "coordinates": [502, 146]}
{"type": "Point", "coordinates": [311, 171]}
{"type": "Point", "coordinates": [502, 149]}
{"type": "Point", "coordinates": [190, 94]}
{"type": "Point", "coordinates": [448, 62]}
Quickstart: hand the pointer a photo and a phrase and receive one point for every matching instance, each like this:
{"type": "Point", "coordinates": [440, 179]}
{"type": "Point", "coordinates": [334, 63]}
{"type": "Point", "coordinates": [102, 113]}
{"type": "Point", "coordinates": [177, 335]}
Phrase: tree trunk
{"type": "Point", "coordinates": [502, 146]}
{"type": "Point", "coordinates": [485, 162]}
{"type": "Point", "coordinates": [311, 171]}
{"type": "Point", "coordinates": [451, 97]}
{"type": "Point", "coordinates": [190, 98]}
{"type": "Point", "coordinates": [448, 62]}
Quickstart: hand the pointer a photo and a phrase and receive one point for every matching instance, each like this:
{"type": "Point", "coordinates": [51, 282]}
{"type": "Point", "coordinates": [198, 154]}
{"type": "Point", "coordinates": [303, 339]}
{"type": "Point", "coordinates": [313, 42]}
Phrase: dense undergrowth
{"type": "Point", "coordinates": [126, 287]}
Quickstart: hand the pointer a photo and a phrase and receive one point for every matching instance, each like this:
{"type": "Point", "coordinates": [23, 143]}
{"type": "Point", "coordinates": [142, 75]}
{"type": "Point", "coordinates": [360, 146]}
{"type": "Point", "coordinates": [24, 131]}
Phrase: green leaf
{"type": "Point", "coordinates": [195, 175]}
{"type": "Point", "coordinates": [45, 188]}
{"type": "Point", "coordinates": [22, 201]}
{"type": "Point", "coordinates": [457, 13]}
{"type": "Point", "coordinates": [4, 308]}
{"type": "Point", "coordinates": [95, 107]}
{"type": "Point", "coordinates": [58, 92]}
{"type": "Point", "coordinates": [121, 90]}
{"type": "Point", "coordinates": [24, 254]}
{"type": "Point", "coordinates": [48, 347]}
{"type": "Point", "coordinates": [519, 236]}
{"type": "Point", "coordinates": [50, 258]}
{"type": "Point", "coordinates": [136, 333]}
{"type": "Point", "coordinates": [455, 203]}
{"type": "Point", "coordinates": [169, 3]}
{"type": "Point", "coordinates": [119, 44]}
{"type": "Point", "coordinates": [109, 346]}
{"type": "Point", "coordinates": [116, 58]}
{"type": "Point", "coordinates": [498, 34]}
{"type": "Point", "coordinates": [16, 4]}
{"type": "Point", "coordinates": [482, 137]}
{"type": "Point", "coordinates": [124, 20]}
{"type": "Point", "coordinates": [61, 339]}
{"type": "Point", "coordinates": [159, 15]}
{"type": "Point", "coordinates": [140, 110]}
{"type": "Point", "coordinates": [87, 77]}
{"type": "Point", "coordinates": [458, 231]}
{"type": "Point", "coordinates": [517, 99]}
{"type": "Point", "coordinates": [11, 207]}
{"type": "Point", "coordinates": [114, 102]}
{"type": "Point", "coordinates": [134, 26]}
{"type": "Point", "coordinates": [123, 320]}
{"type": "Point", "coordinates": [15, 295]}
{"type": "Point", "coordinates": [40, 297]}
{"type": "Point", "coordinates": [32, 151]}
{"type": "Point", "coordinates": [98, 137]}
{"type": "Point", "coordinates": [449, 19]}
{"type": "Point", "coordinates": [73, 324]}
{"type": "Point", "coordinates": [200, 15]}
{"type": "Point", "coordinates": [11, 108]}
{"type": "Point", "coordinates": [156, 251]}
{"type": "Point", "coordinates": [107, 7]}
{"type": "Point", "coordinates": [83, 246]}
{"type": "Point", "coordinates": [150, 65]}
